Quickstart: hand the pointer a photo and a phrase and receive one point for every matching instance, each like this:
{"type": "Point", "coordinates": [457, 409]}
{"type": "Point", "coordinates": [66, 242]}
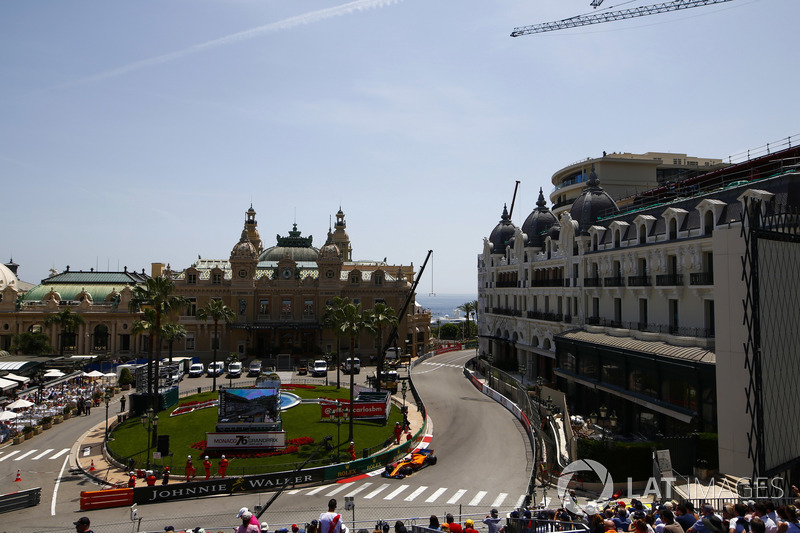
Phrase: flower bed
{"type": "Point", "coordinates": [289, 386]}
{"type": "Point", "coordinates": [189, 407]}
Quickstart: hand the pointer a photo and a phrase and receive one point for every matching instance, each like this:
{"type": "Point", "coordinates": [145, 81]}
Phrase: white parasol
{"type": "Point", "coordinates": [94, 374]}
{"type": "Point", "coordinates": [7, 415]}
{"type": "Point", "coordinates": [19, 404]}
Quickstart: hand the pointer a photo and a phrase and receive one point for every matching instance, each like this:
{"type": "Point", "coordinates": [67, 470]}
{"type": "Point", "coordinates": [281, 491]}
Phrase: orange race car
{"type": "Point", "coordinates": [410, 464]}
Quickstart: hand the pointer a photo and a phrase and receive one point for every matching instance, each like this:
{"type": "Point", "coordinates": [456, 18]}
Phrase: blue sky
{"type": "Point", "coordinates": [136, 132]}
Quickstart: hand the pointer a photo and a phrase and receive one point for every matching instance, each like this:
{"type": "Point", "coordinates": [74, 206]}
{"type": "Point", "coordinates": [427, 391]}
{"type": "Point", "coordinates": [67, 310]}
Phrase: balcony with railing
{"type": "Point", "coordinates": [592, 282]}
{"type": "Point", "coordinates": [701, 278]}
{"type": "Point", "coordinates": [616, 281]}
{"type": "Point", "coordinates": [506, 284]}
{"type": "Point", "coordinates": [541, 315]}
{"type": "Point", "coordinates": [679, 331]}
{"type": "Point", "coordinates": [558, 282]}
{"type": "Point", "coordinates": [639, 281]}
{"type": "Point", "coordinates": [669, 280]}
{"type": "Point", "coordinates": [506, 311]}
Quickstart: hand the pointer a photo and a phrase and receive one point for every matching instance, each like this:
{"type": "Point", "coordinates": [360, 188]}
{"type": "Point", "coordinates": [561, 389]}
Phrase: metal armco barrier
{"type": "Point", "coordinates": [103, 499]}
{"type": "Point", "coordinates": [20, 500]}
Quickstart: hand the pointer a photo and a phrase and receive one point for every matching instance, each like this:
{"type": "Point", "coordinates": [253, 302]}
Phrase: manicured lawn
{"type": "Point", "coordinates": [130, 438]}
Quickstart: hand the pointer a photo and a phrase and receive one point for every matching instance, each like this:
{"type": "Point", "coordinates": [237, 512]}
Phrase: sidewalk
{"type": "Point", "coordinates": [108, 473]}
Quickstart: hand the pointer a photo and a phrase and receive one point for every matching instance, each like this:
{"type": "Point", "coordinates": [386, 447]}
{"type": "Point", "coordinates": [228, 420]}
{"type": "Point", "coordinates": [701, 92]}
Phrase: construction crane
{"type": "Point", "coordinates": [610, 16]}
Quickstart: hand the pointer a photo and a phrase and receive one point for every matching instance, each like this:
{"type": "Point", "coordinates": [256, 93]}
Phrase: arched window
{"type": "Point", "coordinates": [708, 222]}
{"type": "Point", "coordinates": [546, 344]}
{"type": "Point", "coordinates": [673, 228]}
{"type": "Point", "coordinates": [100, 342]}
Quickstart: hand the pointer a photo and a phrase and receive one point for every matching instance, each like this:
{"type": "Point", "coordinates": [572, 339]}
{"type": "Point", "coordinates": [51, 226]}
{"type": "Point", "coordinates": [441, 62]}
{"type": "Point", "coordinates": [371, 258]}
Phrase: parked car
{"type": "Point", "coordinates": [319, 368]}
{"type": "Point", "coordinates": [235, 370]}
{"type": "Point", "coordinates": [216, 369]}
{"type": "Point", "coordinates": [255, 368]}
{"type": "Point", "coordinates": [352, 363]}
{"type": "Point", "coordinates": [196, 370]}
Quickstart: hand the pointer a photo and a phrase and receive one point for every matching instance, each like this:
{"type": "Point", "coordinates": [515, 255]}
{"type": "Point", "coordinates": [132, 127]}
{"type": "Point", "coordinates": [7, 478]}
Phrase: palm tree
{"type": "Point", "coordinates": [382, 315]}
{"type": "Point", "coordinates": [69, 323]}
{"type": "Point", "coordinates": [352, 323]}
{"type": "Point", "coordinates": [216, 310]}
{"type": "Point", "coordinates": [332, 319]}
{"type": "Point", "coordinates": [468, 308]}
{"type": "Point", "coordinates": [172, 332]}
{"type": "Point", "coordinates": [157, 294]}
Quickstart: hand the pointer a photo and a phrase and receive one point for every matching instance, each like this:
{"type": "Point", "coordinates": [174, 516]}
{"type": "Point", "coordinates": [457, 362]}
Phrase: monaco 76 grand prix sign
{"type": "Point", "coordinates": [265, 439]}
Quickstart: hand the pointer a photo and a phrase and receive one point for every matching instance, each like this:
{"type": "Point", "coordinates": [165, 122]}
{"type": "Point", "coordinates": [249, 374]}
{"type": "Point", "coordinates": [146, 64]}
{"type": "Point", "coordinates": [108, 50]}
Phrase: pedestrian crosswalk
{"type": "Point", "coordinates": [378, 491]}
{"type": "Point", "coordinates": [18, 455]}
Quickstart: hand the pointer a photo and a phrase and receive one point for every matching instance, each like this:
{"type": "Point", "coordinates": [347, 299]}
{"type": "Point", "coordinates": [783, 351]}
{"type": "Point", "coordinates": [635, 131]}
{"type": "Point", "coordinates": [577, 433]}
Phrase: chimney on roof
{"type": "Point", "coordinates": [156, 269]}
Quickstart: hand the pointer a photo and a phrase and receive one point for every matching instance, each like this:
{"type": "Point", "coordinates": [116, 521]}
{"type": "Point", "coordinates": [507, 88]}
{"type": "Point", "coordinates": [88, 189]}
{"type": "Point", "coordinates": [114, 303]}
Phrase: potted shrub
{"type": "Point", "coordinates": [67, 412]}
{"type": "Point", "coordinates": [58, 419]}
{"type": "Point", "coordinates": [27, 432]}
{"type": "Point", "coordinates": [47, 422]}
{"type": "Point", "coordinates": [125, 379]}
{"type": "Point", "coordinates": [37, 430]}
{"type": "Point", "coordinates": [18, 439]}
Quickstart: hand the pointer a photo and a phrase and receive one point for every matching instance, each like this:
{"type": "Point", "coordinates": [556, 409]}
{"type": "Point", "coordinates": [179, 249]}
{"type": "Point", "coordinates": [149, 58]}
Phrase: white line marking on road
{"type": "Point", "coordinates": [416, 493]}
{"type": "Point", "coordinates": [376, 491]}
{"type": "Point", "coordinates": [457, 496]}
{"type": "Point", "coordinates": [477, 499]}
{"type": "Point", "coordinates": [395, 492]}
{"type": "Point", "coordinates": [293, 491]}
{"type": "Point", "coordinates": [26, 454]}
{"type": "Point", "coordinates": [359, 489]}
{"type": "Point", "coordinates": [433, 497]}
{"type": "Point", "coordinates": [519, 502]}
{"type": "Point", "coordinates": [55, 490]}
{"type": "Point", "coordinates": [59, 454]}
{"type": "Point", "coordinates": [318, 489]}
{"type": "Point", "coordinates": [338, 489]}
{"type": "Point", "coordinates": [500, 499]}
{"type": "Point", "coordinates": [41, 454]}
{"type": "Point", "coordinates": [9, 455]}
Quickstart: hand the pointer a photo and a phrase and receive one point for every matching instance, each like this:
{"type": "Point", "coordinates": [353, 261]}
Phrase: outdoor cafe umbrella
{"type": "Point", "coordinates": [19, 404]}
{"type": "Point", "coordinates": [93, 374]}
{"type": "Point", "coordinates": [7, 415]}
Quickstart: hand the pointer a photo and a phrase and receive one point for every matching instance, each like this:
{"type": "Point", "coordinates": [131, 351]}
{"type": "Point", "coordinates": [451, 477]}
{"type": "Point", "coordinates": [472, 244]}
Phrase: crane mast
{"type": "Point", "coordinates": [610, 16]}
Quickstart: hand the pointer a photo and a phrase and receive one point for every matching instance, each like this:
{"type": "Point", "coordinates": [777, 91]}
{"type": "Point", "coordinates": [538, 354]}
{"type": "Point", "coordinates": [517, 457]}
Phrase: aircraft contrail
{"type": "Point", "coordinates": [291, 22]}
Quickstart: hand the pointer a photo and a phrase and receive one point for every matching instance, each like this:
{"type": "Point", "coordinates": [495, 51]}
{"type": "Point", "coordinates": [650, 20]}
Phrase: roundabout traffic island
{"type": "Point", "coordinates": [268, 429]}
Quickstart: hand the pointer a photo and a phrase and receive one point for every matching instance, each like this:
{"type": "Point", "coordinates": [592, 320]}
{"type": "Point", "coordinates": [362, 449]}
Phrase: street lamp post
{"type": "Point", "coordinates": [603, 419]}
{"type": "Point", "coordinates": [150, 422]}
{"type": "Point", "coordinates": [337, 413]}
{"type": "Point", "coordinates": [107, 399]}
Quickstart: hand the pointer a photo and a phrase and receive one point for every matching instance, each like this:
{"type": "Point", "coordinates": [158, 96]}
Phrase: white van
{"type": "Point", "coordinates": [196, 370]}
{"type": "Point", "coordinates": [352, 363]}
{"type": "Point", "coordinates": [216, 369]}
{"type": "Point", "coordinates": [319, 368]}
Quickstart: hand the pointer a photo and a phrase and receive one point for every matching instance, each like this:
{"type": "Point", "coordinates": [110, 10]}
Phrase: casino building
{"type": "Point", "coordinates": [658, 305]}
{"type": "Point", "coordinates": [279, 294]}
